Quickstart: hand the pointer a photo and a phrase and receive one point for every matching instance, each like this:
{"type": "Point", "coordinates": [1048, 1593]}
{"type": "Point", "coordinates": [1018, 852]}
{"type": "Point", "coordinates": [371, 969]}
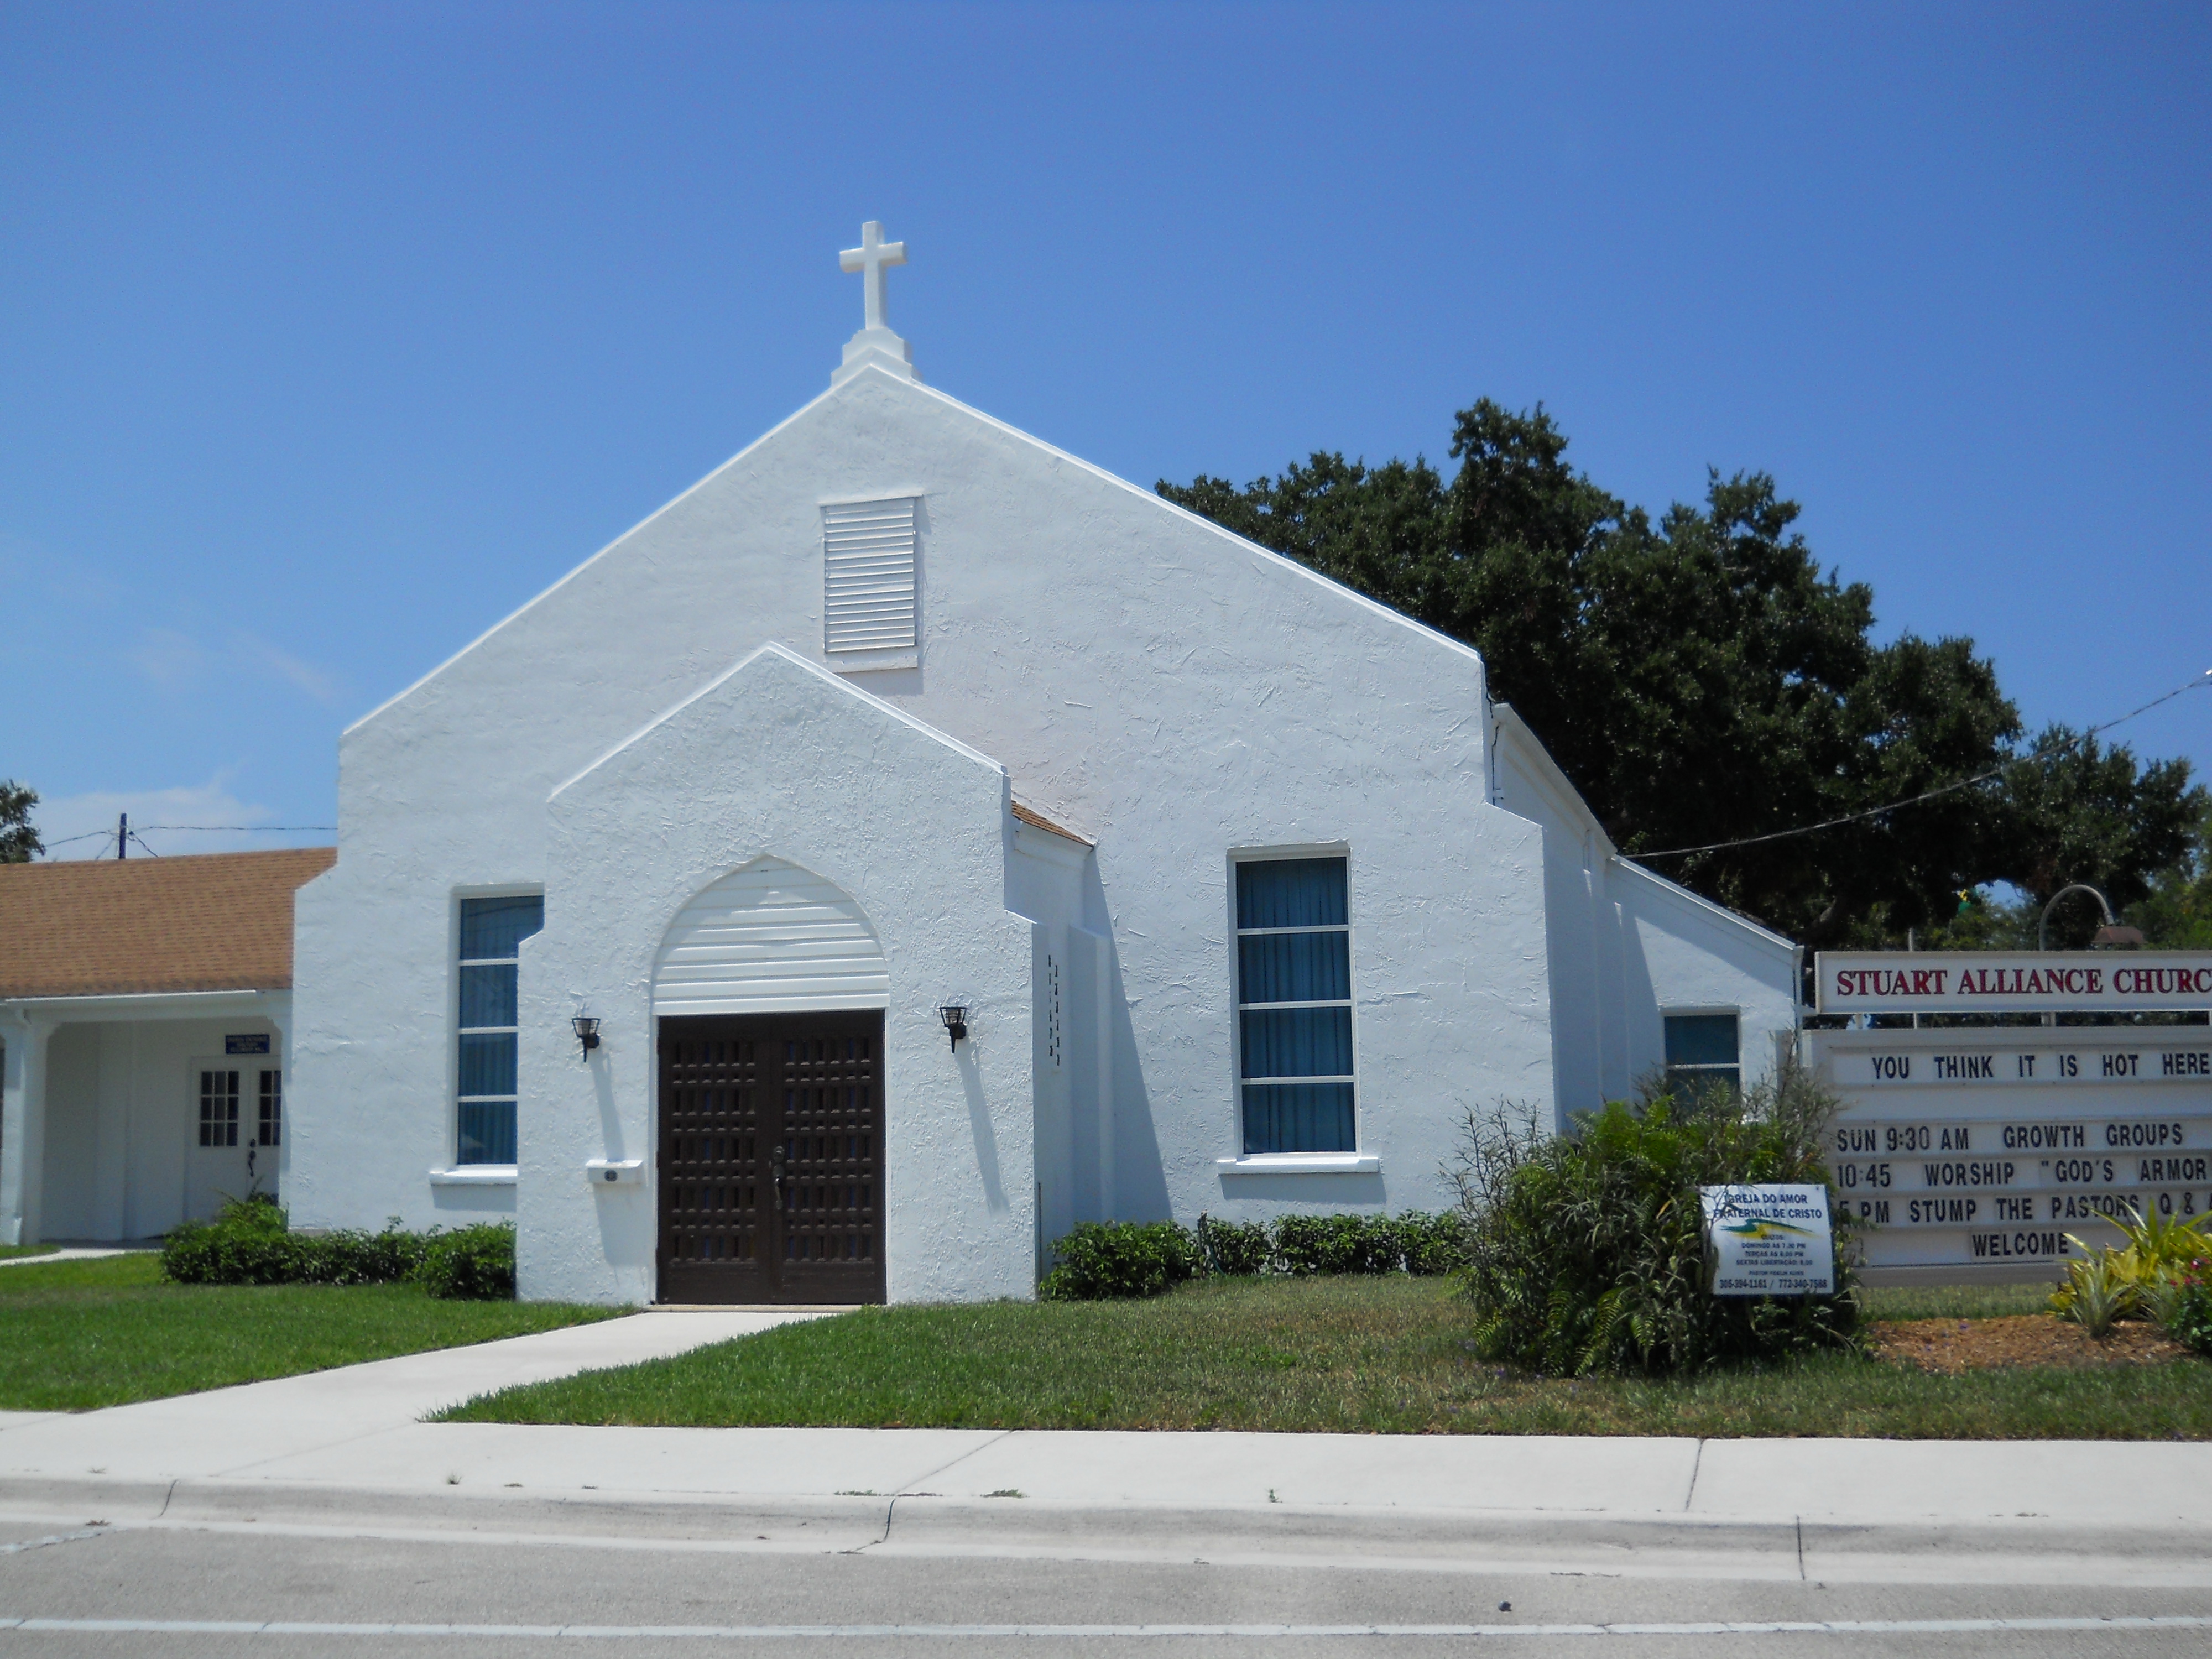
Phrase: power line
{"type": "Point", "coordinates": [1931, 794]}
{"type": "Point", "coordinates": [204, 828]}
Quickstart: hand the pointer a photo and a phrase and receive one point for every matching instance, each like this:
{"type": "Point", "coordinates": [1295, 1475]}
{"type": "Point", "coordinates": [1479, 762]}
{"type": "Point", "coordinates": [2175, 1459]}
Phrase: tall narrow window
{"type": "Point", "coordinates": [1294, 1006]}
{"type": "Point", "coordinates": [273, 1108]}
{"type": "Point", "coordinates": [492, 931]}
{"type": "Point", "coordinates": [1704, 1055]}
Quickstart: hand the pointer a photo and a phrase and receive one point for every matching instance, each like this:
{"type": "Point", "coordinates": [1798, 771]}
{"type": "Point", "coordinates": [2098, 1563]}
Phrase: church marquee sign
{"type": "Point", "coordinates": [2023, 983]}
{"type": "Point", "coordinates": [1976, 1150]}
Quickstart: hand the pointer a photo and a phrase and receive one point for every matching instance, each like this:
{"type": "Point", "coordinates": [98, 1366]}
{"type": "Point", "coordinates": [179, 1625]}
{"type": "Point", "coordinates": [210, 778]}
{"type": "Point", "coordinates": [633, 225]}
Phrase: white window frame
{"type": "Point", "coordinates": [1354, 1160]}
{"type": "Point", "coordinates": [1715, 1010]}
{"type": "Point", "coordinates": [453, 1172]}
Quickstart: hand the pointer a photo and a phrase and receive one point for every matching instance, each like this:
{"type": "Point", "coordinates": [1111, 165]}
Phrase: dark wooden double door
{"type": "Point", "coordinates": [771, 1158]}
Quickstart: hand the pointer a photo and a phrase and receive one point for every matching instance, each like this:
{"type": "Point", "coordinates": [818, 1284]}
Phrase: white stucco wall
{"type": "Point", "coordinates": [1688, 956]}
{"type": "Point", "coordinates": [779, 759]}
{"type": "Point", "coordinates": [1628, 947]}
{"type": "Point", "coordinates": [1161, 686]}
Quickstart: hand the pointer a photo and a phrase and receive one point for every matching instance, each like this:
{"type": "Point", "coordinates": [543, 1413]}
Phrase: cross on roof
{"type": "Point", "coordinates": [872, 257]}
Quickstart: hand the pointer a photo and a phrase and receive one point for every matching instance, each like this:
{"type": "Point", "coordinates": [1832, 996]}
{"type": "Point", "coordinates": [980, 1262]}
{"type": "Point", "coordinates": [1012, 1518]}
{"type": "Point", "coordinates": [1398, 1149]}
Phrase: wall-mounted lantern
{"type": "Point", "coordinates": [955, 1016]}
{"type": "Point", "coordinates": [588, 1033]}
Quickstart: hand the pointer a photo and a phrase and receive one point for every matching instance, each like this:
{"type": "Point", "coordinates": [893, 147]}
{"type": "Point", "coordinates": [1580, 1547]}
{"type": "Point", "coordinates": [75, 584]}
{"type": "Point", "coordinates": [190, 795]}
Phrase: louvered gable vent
{"type": "Point", "coordinates": [867, 576]}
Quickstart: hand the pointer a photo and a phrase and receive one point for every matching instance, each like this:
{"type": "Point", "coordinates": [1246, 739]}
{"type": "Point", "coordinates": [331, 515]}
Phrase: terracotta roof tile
{"type": "Point", "coordinates": [208, 922]}
{"type": "Point", "coordinates": [1035, 819]}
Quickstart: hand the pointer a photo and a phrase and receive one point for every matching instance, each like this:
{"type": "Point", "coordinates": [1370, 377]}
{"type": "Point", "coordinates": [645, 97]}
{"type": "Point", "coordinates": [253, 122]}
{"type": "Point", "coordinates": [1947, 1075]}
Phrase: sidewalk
{"type": "Point", "coordinates": [75, 1252]}
{"type": "Point", "coordinates": [350, 1441]}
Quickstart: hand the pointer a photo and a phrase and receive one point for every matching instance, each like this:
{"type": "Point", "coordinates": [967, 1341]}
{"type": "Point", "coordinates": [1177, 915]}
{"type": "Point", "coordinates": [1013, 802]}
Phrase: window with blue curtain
{"type": "Point", "coordinates": [492, 931]}
{"type": "Point", "coordinates": [1294, 1006]}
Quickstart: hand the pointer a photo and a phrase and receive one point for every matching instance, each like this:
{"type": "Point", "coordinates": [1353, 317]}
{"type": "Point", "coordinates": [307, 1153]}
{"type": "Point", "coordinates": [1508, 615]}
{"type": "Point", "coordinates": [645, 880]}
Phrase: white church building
{"type": "Point", "coordinates": [912, 841]}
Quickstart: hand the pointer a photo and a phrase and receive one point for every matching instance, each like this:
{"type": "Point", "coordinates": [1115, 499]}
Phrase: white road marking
{"type": "Point", "coordinates": [1064, 1632]}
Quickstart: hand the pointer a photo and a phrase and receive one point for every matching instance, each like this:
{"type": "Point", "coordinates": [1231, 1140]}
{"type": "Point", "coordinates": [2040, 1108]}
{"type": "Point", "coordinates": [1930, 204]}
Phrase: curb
{"type": "Point", "coordinates": [2038, 1550]}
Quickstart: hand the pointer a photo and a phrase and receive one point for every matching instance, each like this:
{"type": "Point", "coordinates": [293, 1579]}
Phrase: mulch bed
{"type": "Point", "coordinates": [1953, 1345]}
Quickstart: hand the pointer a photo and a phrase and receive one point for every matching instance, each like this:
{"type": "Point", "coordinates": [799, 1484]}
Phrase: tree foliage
{"type": "Point", "coordinates": [19, 842]}
{"type": "Point", "coordinates": [1701, 680]}
{"type": "Point", "coordinates": [2177, 913]}
{"type": "Point", "coordinates": [1586, 1252]}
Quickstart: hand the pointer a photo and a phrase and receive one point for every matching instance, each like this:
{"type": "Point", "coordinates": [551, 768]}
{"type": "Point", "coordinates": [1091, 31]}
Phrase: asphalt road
{"type": "Point", "coordinates": [203, 1588]}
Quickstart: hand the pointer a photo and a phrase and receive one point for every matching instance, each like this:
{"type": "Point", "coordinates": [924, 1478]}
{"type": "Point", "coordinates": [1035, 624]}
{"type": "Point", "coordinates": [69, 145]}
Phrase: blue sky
{"type": "Point", "coordinates": [329, 334]}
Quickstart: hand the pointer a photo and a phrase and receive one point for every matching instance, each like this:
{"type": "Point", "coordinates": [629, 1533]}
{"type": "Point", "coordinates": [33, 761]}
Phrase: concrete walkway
{"type": "Point", "coordinates": [358, 1430]}
{"type": "Point", "coordinates": [308, 1422]}
{"type": "Point", "coordinates": [72, 1253]}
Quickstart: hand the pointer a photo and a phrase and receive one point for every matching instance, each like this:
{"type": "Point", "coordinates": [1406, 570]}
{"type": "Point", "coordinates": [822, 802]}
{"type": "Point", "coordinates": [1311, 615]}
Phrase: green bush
{"type": "Point", "coordinates": [1338, 1244]}
{"type": "Point", "coordinates": [1431, 1243]}
{"type": "Point", "coordinates": [1103, 1259]}
{"type": "Point", "coordinates": [2189, 1315]}
{"type": "Point", "coordinates": [1145, 1259]}
{"type": "Point", "coordinates": [247, 1244]}
{"type": "Point", "coordinates": [250, 1243]}
{"type": "Point", "coordinates": [1238, 1250]}
{"type": "Point", "coordinates": [471, 1264]}
{"type": "Point", "coordinates": [1585, 1252]}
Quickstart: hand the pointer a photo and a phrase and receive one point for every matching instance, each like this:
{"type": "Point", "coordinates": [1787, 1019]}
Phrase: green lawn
{"type": "Point", "coordinates": [1357, 1355]}
{"type": "Point", "coordinates": [101, 1333]}
{"type": "Point", "coordinates": [10, 1252]}
{"type": "Point", "coordinates": [1957, 1301]}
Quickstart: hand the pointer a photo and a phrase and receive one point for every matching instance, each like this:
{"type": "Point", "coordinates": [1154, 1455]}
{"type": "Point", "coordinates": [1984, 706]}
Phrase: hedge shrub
{"type": "Point", "coordinates": [1128, 1258]}
{"type": "Point", "coordinates": [1103, 1259]}
{"type": "Point", "coordinates": [1585, 1252]}
{"type": "Point", "coordinates": [1237, 1248]}
{"type": "Point", "coordinates": [250, 1243]}
{"type": "Point", "coordinates": [469, 1264]}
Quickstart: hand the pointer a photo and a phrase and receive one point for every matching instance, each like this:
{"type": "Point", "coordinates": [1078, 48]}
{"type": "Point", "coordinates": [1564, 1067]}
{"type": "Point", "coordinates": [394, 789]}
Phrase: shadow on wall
{"type": "Point", "coordinates": [1306, 1191]}
{"type": "Point", "coordinates": [979, 1124]}
{"type": "Point", "coordinates": [1140, 1179]}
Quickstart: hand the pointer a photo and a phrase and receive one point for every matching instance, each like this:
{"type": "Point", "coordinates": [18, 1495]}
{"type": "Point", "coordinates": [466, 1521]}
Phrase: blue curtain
{"type": "Point", "coordinates": [487, 1132]}
{"type": "Point", "coordinates": [1294, 967]}
{"type": "Point", "coordinates": [492, 928]}
{"type": "Point", "coordinates": [1298, 1117]}
{"type": "Point", "coordinates": [1297, 1042]}
{"type": "Point", "coordinates": [487, 1063]}
{"type": "Point", "coordinates": [1290, 893]}
{"type": "Point", "coordinates": [488, 995]}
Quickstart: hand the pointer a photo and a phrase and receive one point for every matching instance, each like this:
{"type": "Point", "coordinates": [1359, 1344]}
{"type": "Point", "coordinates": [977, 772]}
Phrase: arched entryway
{"type": "Point", "coordinates": [769, 996]}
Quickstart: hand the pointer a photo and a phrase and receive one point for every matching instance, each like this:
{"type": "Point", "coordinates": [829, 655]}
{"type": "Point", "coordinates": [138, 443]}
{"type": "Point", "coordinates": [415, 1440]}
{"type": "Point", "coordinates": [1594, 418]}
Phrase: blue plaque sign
{"type": "Point", "coordinates": [252, 1042]}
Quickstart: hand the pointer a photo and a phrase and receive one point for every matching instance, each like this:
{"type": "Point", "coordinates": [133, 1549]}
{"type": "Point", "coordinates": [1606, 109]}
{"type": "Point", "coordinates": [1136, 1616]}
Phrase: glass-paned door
{"type": "Point", "coordinates": [234, 1129]}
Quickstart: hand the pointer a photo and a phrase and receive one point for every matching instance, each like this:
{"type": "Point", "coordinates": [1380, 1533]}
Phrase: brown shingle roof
{"type": "Point", "coordinates": [208, 921]}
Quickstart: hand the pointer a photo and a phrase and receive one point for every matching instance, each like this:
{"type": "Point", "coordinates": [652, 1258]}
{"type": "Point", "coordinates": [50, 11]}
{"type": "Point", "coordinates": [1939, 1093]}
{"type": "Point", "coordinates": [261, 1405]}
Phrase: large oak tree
{"type": "Point", "coordinates": [1702, 681]}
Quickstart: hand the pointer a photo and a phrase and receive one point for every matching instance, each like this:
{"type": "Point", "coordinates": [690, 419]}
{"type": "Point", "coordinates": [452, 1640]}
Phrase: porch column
{"type": "Point", "coordinates": [22, 1126]}
{"type": "Point", "coordinates": [278, 1010]}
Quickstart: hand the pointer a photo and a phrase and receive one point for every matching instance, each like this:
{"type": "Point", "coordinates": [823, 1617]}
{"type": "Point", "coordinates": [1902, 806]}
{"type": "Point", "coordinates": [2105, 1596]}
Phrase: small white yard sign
{"type": "Point", "coordinates": [1770, 1240]}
